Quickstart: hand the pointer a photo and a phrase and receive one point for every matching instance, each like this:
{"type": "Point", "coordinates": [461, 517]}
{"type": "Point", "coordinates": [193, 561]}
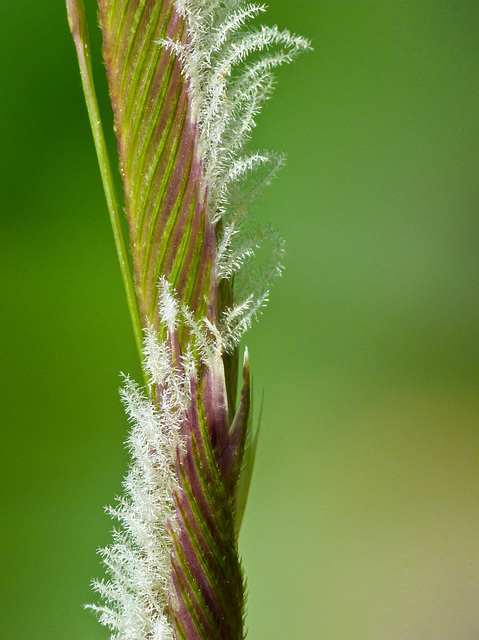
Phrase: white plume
{"type": "Point", "coordinates": [138, 561]}
{"type": "Point", "coordinates": [230, 70]}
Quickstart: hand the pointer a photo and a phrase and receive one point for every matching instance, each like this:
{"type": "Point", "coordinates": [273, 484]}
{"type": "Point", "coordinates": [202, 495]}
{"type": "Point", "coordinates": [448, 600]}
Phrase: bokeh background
{"type": "Point", "coordinates": [363, 519]}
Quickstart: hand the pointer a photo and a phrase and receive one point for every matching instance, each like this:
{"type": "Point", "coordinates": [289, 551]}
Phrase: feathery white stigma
{"type": "Point", "coordinates": [230, 71]}
{"type": "Point", "coordinates": [138, 561]}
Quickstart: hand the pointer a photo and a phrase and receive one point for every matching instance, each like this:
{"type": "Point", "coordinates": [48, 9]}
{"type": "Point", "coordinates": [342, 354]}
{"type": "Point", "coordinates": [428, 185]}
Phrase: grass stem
{"type": "Point", "coordinates": [79, 29]}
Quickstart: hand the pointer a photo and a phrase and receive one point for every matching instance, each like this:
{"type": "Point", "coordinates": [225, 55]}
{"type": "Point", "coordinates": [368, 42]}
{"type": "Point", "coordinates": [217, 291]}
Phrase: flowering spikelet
{"type": "Point", "coordinates": [187, 78]}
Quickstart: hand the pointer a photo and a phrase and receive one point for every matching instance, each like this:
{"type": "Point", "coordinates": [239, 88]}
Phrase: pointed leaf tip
{"type": "Point", "coordinates": [234, 451]}
{"type": "Point", "coordinates": [76, 16]}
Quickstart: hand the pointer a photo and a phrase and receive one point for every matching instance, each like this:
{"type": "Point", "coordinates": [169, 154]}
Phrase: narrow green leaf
{"type": "Point", "coordinates": [79, 29]}
{"type": "Point", "coordinates": [245, 476]}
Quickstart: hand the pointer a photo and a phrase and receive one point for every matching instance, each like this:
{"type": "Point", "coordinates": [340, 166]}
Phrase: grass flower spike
{"type": "Point", "coordinates": [186, 78]}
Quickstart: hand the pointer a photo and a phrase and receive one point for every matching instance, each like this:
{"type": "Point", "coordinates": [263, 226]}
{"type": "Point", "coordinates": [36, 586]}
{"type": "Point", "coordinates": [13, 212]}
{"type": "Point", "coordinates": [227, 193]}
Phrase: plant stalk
{"type": "Point", "coordinates": [79, 29]}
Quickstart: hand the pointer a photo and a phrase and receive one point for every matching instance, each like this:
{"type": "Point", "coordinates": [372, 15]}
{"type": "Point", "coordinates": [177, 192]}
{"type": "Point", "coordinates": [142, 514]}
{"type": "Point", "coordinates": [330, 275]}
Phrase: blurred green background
{"type": "Point", "coordinates": [363, 519]}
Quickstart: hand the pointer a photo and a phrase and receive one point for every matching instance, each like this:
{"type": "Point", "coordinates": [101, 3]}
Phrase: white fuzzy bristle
{"type": "Point", "coordinates": [230, 70]}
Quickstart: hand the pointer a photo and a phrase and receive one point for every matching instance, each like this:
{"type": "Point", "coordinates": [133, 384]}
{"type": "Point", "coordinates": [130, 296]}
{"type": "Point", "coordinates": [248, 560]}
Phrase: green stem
{"type": "Point", "coordinates": [79, 29]}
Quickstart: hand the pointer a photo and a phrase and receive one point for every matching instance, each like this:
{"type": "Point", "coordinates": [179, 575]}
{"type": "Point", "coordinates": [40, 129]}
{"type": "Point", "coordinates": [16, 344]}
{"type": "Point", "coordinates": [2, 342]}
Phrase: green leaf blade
{"type": "Point", "coordinates": [79, 28]}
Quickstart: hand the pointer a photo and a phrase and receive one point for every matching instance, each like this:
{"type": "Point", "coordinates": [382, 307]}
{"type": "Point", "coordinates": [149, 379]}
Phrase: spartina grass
{"type": "Point", "coordinates": [186, 79]}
